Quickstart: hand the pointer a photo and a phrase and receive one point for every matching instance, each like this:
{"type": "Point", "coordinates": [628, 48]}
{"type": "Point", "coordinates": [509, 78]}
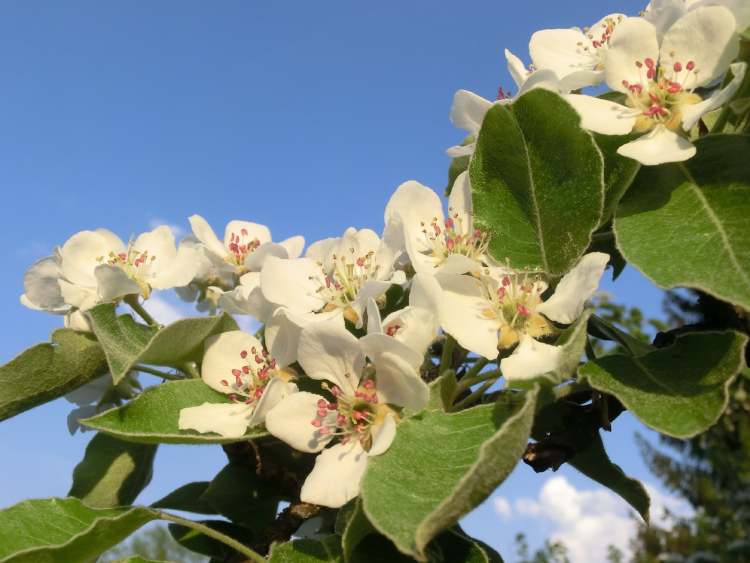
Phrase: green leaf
{"type": "Point", "coordinates": [56, 530]}
{"type": "Point", "coordinates": [138, 559]}
{"type": "Point", "coordinates": [681, 390]}
{"type": "Point", "coordinates": [457, 166]}
{"type": "Point", "coordinates": [240, 495]}
{"type": "Point", "coordinates": [128, 343]}
{"type": "Point", "coordinates": [457, 547]}
{"type": "Point", "coordinates": [47, 371]}
{"type": "Point", "coordinates": [685, 224]}
{"type": "Point", "coordinates": [442, 391]}
{"type": "Point", "coordinates": [357, 528]}
{"type": "Point", "coordinates": [152, 416]}
{"type": "Point", "coordinates": [308, 551]}
{"type": "Point", "coordinates": [187, 498]}
{"type": "Point", "coordinates": [604, 330]}
{"type": "Point", "coordinates": [595, 464]}
{"type": "Point", "coordinates": [440, 466]}
{"type": "Point", "coordinates": [604, 241]}
{"type": "Point", "coordinates": [619, 171]}
{"type": "Point", "coordinates": [112, 472]}
{"type": "Point", "coordinates": [537, 181]}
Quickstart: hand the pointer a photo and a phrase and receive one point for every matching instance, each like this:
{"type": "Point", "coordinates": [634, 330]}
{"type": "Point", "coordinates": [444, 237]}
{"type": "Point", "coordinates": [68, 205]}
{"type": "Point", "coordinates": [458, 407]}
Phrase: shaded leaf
{"type": "Point", "coordinates": [127, 343]}
{"type": "Point", "coordinates": [47, 371]}
{"type": "Point", "coordinates": [308, 551]}
{"type": "Point", "coordinates": [537, 182]}
{"type": "Point", "coordinates": [240, 495]}
{"type": "Point", "coordinates": [153, 415]}
{"type": "Point", "coordinates": [188, 499]}
{"type": "Point", "coordinates": [604, 330]}
{"type": "Point", "coordinates": [442, 391]}
{"type": "Point", "coordinates": [112, 472]}
{"type": "Point", "coordinates": [681, 390]}
{"type": "Point", "coordinates": [699, 210]}
{"type": "Point", "coordinates": [197, 541]}
{"type": "Point", "coordinates": [440, 466]}
{"type": "Point", "coordinates": [595, 464]}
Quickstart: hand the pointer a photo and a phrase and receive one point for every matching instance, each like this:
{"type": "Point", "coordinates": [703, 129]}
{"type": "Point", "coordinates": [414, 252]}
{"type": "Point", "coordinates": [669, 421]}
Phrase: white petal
{"type": "Point", "coordinates": [663, 14]}
{"type": "Point", "coordinates": [383, 435]}
{"type": "Point", "coordinates": [82, 253]}
{"type": "Point", "coordinates": [602, 116]}
{"type": "Point", "coordinates": [282, 334]}
{"type": "Point", "coordinates": [458, 264]}
{"type": "Point", "coordinates": [291, 421]}
{"type": "Point", "coordinates": [468, 111]}
{"type": "Point", "coordinates": [292, 283]}
{"type": "Point", "coordinates": [113, 283]}
{"type": "Point", "coordinates": [371, 289]}
{"type": "Point", "coordinates": [544, 78]}
{"type": "Point", "coordinates": [657, 147]}
{"type": "Point", "coordinates": [530, 359]}
{"type": "Point", "coordinates": [461, 316]}
{"type": "Point", "coordinates": [276, 390]}
{"type": "Point", "coordinates": [294, 246]}
{"type": "Point", "coordinates": [457, 151]}
{"type": "Point", "coordinates": [374, 324]}
{"type": "Point", "coordinates": [335, 479]}
{"type": "Point", "coordinates": [253, 230]}
{"type": "Point", "coordinates": [517, 70]}
{"type": "Point", "coordinates": [425, 292]}
{"type": "Point", "coordinates": [254, 260]}
{"type": "Point", "coordinates": [76, 320]}
{"type": "Point", "coordinates": [204, 233]}
{"type": "Point", "coordinates": [580, 79]}
{"type": "Point", "coordinates": [691, 114]}
{"type": "Point", "coordinates": [222, 355]}
{"type": "Point", "coordinates": [561, 50]}
{"type": "Point", "coordinates": [328, 351]}
{"type": "Point", "coordinates": [159, 243]}
{"type": "Point", "coordinates": [179, 272]}
{"type": "Point", "coordinates": [460, 200]}
{"type": "Point", "coordinates": [41, 285]}
{"type": "Point", "coordinates": [247, 299]}
{"type": "Point", "coordinates": [228, 420]}
{"type": "Point", "coordinates": [397, 378]}
{"type": "Point", "coordinates": [80, 297]}
{"type": "Point", "coordinates": [705, 36]}
{"type": "Point", "coordinates": [634, 39]}
{"type": "Point", "coordinates": [575, 288]}
{"type": "Point", "coordinates": [414, 326]}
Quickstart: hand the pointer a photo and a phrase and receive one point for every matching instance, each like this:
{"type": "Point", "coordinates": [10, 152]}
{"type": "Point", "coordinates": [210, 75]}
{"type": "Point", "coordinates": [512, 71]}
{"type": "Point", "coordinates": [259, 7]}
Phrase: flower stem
{"type": "Point", "coordinates": [132, 300]}
{"type": "Point", "coordinates": [476, 394]}
{"type": "Point", "coordinates": [478, 366]}
{"type": "Point", "coordinates": [467, 382]}
{"type": "Point", "coordinates": [211, 533]}
{"type": "Point", "coordinates": [158, 373]}
{"type": "Point", "coordinates": [191, 369]}
{"type": "Point", "coordinates": [446, 359]}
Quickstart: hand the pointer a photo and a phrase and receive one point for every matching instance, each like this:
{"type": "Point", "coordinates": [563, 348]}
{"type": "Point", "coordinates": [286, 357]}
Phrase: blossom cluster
{"type": "Point", "coordinates": [667, 68]}
{"type": "Point", "coordinates": [350, 323]}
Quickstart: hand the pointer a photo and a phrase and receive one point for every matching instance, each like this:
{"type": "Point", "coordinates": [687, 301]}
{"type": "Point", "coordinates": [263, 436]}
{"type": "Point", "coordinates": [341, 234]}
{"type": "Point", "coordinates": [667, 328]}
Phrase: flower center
{"type": "Point", "coordinates": [350, 417]}
{"type": "Point", "coordinates": [134, 263]}
{"type": "Point", "coordinates": [339, 286]}
{"type": "Point", "coordinates": [513, 304]}
{"type": "Point", "coordinates": [240, 245]}
{"type": "Point", "coordinates": [598, 42]}
{"type": "Point", "coordinates": [661, 94]}
{"type": "Point", "coordinates": [453, 237]}
{"type": "Point", "coordinates": [251, 376]}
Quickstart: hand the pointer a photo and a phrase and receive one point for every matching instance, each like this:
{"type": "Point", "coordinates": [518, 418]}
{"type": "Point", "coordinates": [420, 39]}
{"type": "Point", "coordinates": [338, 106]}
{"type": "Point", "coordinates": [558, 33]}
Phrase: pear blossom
{"type": "Point", "coordinates": [336, 275]}
{"type": "Point", "coordinates": [468, 109]}
{"type": "Point", "coordinates": [502, 308]}
{"type": "Point", "coordinates": [434, 242]}
{"type": "Point", "coordinates": [659, 79]}
{"type": "Point", "coordinates": [663, 13]}
{"type": "Point", "coordinates": [576, 56]}
{"type": "Point", "coordinates": [236, 364]}
{"type": "Point", "coordinates": [360, 413]}
{"type": "Point", "coordinates": [244, 249]}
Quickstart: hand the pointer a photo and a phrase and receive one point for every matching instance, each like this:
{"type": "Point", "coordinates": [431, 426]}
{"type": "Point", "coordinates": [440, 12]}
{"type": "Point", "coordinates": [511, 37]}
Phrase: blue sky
{"type": "Point", "coordinates": [303, 116]}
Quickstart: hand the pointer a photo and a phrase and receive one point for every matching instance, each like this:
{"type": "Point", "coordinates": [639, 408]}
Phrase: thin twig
{"type": "Point", "coordinates": [210, 532]}
{"type": "Point", "coordinates": [476, 394]}
{"type": "Point", "coordinates": [132, 300]}
{"type": "Point", "coordinates": [158, 373]}
{"type": "Point", "coordinates": [446, 359]}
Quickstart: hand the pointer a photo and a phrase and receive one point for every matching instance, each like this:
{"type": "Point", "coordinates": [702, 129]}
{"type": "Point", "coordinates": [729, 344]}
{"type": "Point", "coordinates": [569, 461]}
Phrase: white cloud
{"type": "Point", "coordinates": [586, 521]}
{"type": "Point", "coordinates": [167, 311]}
{"type": "Point", "coordinates": [502, 507]}
{"type": "Point", "coordinates": [177, 230]}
